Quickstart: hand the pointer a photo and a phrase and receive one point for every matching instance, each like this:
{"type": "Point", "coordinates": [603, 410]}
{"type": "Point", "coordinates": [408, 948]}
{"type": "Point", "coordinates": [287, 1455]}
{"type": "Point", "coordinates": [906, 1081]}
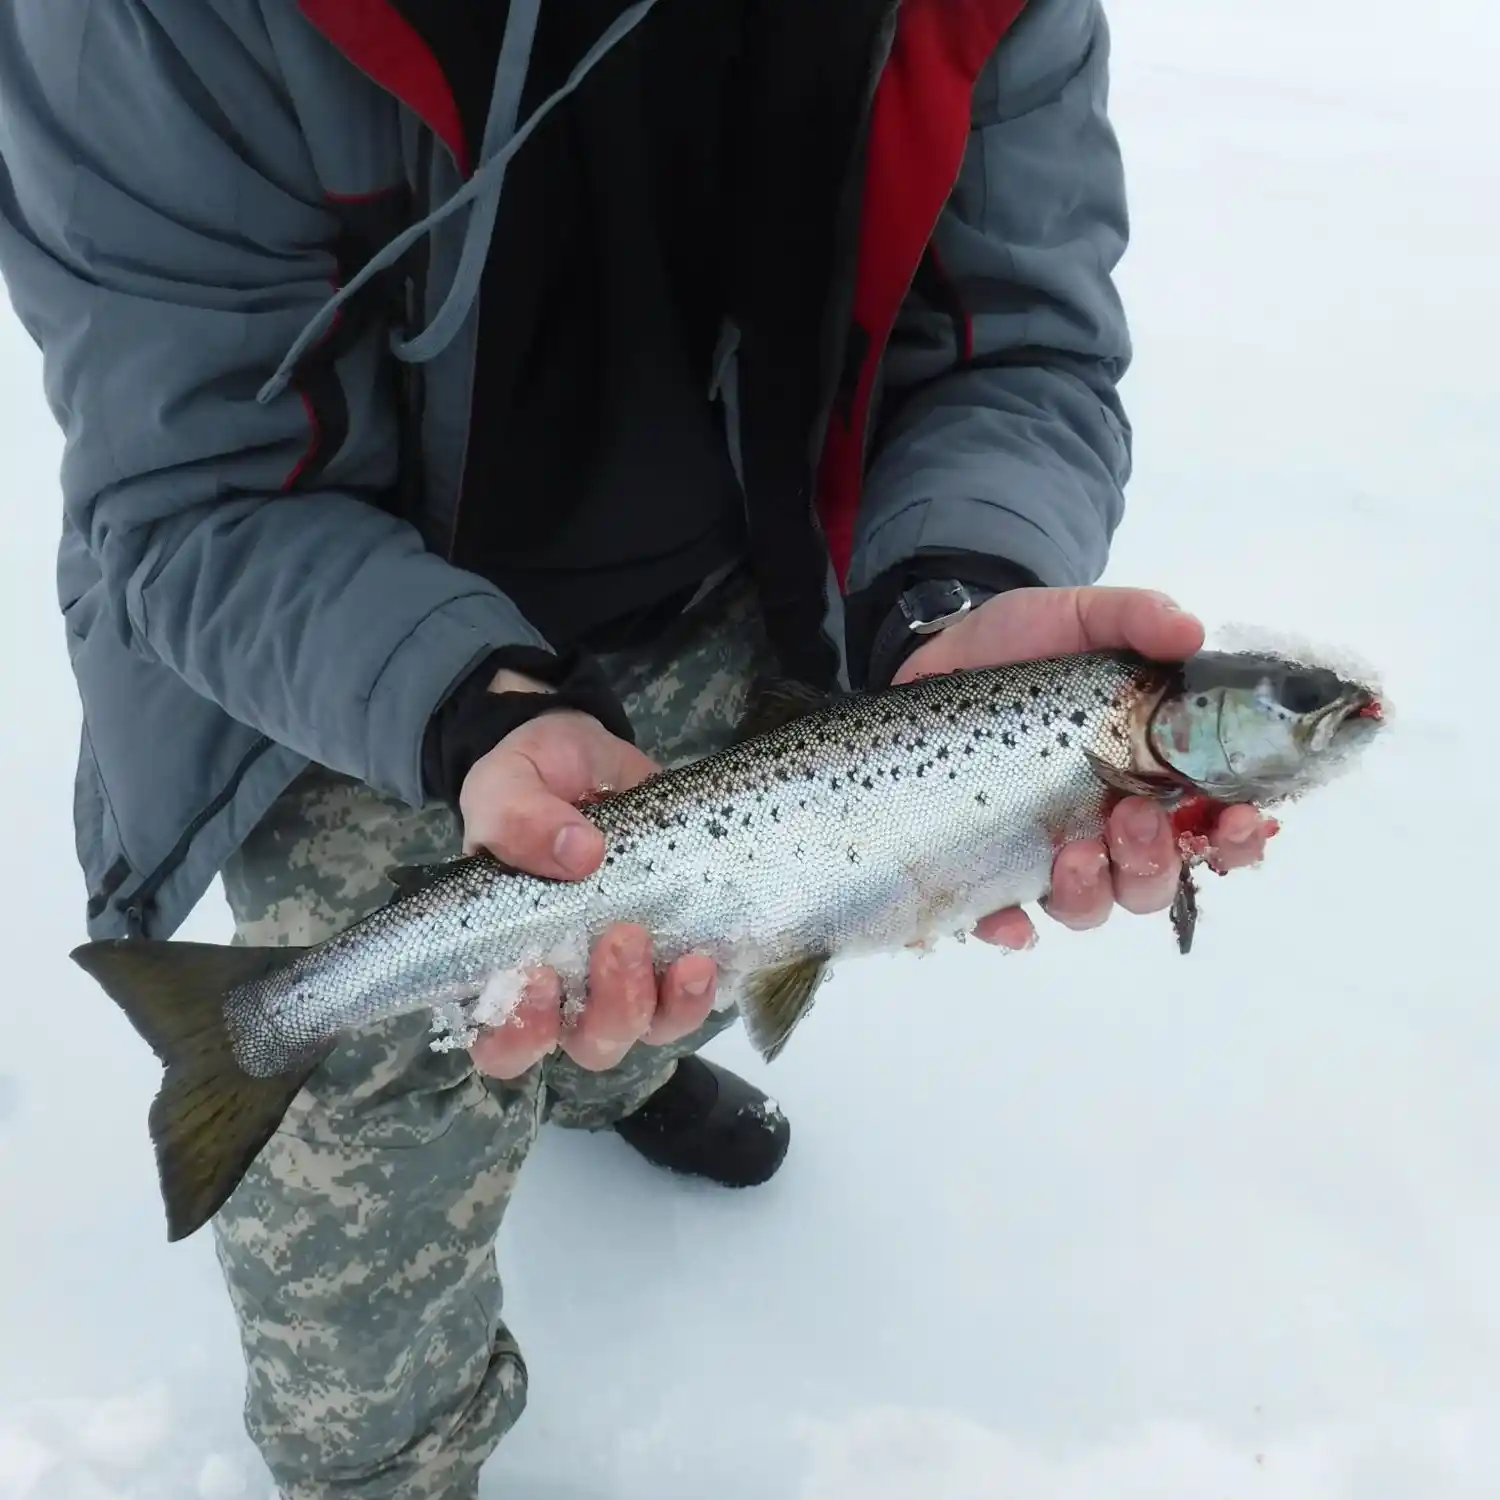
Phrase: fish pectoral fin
{"type": "Point", "coordinates": [209, 1119]}
{"type": "Point", "coordinates": [1185, 909]}
{"type": "Point", "coordinates": [777, 999]}
{"type": "Point", "coordinates": [1133, 783]}
{"type": "Point", "coordinates": [774, 703]}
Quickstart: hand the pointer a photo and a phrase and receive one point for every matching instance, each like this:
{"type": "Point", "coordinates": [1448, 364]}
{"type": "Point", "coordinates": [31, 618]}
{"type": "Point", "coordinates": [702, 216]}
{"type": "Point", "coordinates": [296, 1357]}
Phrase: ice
{"type": "Point", "coordinates": [1095, 1223]}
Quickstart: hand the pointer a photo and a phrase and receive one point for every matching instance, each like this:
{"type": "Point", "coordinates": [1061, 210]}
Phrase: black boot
{"type": "Point", "coordinates": [706, 1122]}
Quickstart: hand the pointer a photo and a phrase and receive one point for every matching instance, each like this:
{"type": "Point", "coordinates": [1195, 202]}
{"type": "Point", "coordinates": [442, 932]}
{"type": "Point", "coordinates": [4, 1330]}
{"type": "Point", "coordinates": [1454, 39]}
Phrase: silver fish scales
{"type": "Point", "coordinates": [874, 823]}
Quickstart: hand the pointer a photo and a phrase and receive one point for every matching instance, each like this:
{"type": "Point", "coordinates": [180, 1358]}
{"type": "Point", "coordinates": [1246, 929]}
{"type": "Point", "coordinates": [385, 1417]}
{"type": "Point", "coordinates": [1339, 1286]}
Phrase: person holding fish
{"type": "Point", "coordinates": [466, 407]}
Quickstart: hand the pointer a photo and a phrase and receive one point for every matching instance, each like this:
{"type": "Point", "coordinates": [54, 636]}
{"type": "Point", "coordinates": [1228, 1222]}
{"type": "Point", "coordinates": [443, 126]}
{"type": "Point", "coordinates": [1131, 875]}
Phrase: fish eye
{"type": "Point", "coordinates": [1305, 692]}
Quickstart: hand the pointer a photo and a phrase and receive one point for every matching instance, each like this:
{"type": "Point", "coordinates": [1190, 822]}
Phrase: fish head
{"type": "Point", "coordinates": [1260, 727]}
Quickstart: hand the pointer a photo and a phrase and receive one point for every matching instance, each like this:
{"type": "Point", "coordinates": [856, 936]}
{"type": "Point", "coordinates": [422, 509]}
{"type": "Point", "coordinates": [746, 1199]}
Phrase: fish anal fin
{"type": "Point", "coordinates": [777, 999]}
{"type": "Point", "coordinates": [210, 1119]}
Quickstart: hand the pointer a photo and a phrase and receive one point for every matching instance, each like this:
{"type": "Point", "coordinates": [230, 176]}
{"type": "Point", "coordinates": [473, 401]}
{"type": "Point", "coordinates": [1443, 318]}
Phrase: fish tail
{"type": "Point", "coordinates": [210, 1119]}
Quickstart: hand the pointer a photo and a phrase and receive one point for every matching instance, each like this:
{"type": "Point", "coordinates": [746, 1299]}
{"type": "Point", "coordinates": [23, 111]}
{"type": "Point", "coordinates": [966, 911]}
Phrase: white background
{"type": "Point", "coordinates": [1093, 1223]}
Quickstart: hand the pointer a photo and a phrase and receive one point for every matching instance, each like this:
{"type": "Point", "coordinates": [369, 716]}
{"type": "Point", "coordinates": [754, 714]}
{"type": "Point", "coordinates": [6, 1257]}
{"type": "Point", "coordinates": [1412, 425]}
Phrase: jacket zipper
{"type": "Point", "coordinates": [144, 894]}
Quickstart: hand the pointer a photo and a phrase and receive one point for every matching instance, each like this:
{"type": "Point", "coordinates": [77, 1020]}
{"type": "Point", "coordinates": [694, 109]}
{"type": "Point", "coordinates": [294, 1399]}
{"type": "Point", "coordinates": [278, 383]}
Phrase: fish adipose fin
{"type": "Point", "coordinates": [210, 1119]}
{"type": "Point", "coordinates": [776, 1000]}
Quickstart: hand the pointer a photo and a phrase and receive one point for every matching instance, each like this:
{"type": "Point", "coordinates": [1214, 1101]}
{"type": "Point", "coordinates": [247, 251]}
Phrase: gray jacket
{"type": "Point", "coordinates": [166, 170]}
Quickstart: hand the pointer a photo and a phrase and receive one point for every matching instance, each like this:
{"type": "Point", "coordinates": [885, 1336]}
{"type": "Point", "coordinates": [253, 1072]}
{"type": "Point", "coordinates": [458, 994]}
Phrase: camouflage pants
{"type": "Point", "coordinates": [359, 1250]}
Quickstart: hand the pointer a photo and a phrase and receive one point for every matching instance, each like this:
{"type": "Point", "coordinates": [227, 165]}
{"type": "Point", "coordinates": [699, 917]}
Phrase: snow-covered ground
{"type": "Point", "coordinates": [1137, 1228]}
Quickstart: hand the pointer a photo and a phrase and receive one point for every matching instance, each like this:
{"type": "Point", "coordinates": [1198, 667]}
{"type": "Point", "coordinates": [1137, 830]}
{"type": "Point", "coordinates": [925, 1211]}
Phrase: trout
{"type": "Point", "coordinates": [863, 823]}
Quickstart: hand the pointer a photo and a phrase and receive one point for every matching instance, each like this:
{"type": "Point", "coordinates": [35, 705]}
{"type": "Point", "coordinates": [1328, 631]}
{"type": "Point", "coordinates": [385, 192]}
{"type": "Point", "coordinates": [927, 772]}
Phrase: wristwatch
{"type": "Point", "coordinates": [934, 604]}
{"type": "Point", "coordinates": [925, 607]}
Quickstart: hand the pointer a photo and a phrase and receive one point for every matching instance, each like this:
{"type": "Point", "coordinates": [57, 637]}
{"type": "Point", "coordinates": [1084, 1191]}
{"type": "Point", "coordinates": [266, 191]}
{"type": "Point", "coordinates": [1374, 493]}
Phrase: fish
{"type": "Point", "coordinates": [834, 825]}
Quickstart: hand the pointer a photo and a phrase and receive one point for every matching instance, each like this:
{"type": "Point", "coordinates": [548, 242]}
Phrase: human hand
{"type": "Point", "coordinates": [518, 803]}
{"type": "Point", "coordinates": [1137, 864]}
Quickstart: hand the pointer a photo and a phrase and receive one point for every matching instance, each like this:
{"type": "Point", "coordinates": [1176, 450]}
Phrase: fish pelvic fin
{"type": "Point", "coordinates": [776, 1000]}
{"type": "Point", "coordinates": [210, 1119]}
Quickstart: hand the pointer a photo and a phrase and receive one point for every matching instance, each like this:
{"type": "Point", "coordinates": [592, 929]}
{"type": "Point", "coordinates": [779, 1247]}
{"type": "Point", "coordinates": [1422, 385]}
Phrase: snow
{"type": "Point", "coordinates": [1095, 1221]}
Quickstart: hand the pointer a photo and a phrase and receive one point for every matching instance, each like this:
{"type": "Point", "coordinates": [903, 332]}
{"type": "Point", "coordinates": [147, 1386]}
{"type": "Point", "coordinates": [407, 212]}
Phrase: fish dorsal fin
{"type": "Point", "coordinates": [1133, 783]}
{"type": "Point", "coordinates": [774, 703]}
{"type": "Point", "coordinates": [777, 999]}
{"type": "Point", "coordinates": [409, 879]}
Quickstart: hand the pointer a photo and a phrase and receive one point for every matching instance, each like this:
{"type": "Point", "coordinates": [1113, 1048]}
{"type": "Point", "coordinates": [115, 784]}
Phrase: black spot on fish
{"type": "Point", "coordinates": [1063, 740]}
{"type": "Point", "coordinates": [1034, 690]}
{"type": "Point", "coordinates": [981, 799]}
{"type": "Point", "coordinates": [868, 783]}
{"type": "Point", "coordinates": [942, 752]}
{"type": "Point", "coordinates": [1079, 717]}
{"type": "Point", "coordinates": [1008, 740]}
{"type": "Point", "coordinates": [1046, 751]}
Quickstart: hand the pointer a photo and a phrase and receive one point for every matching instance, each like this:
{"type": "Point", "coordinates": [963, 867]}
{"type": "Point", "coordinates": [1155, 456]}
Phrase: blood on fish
{"type": "Point", "coordinates": [1195, 816]}
{"type": "Point", "coordinates": [1193, 822]}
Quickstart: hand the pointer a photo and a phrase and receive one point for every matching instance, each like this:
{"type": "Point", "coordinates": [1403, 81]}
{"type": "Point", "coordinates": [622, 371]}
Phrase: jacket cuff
{"type": "Point", "coordinates": [879, 641]}
{"type": "Point", "coordinates": [472, 720]}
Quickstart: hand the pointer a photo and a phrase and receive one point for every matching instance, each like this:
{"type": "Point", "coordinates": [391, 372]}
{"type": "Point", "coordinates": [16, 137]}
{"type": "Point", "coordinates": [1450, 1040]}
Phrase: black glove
{"type": "Point", "coordinates": [472, 720]}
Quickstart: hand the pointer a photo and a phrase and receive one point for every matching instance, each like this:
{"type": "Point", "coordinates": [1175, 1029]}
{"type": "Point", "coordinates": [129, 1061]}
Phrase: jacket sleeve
{"type": "Point", "coordinates": [164, 236]}
{"type": "Point", "coordinates": [1002, 437]}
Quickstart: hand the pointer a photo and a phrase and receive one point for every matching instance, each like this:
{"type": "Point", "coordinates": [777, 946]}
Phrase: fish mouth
{"type": "Point", "coordinates": [1353, 716]}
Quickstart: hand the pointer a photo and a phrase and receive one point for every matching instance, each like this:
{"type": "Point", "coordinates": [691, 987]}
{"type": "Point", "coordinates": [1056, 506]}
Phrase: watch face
{"type": "Point", "coordinates": [934, 605]}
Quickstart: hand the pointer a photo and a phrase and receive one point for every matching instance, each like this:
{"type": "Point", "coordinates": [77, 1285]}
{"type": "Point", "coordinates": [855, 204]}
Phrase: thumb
{"type": "Point", "coordinates": [518, 801]}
